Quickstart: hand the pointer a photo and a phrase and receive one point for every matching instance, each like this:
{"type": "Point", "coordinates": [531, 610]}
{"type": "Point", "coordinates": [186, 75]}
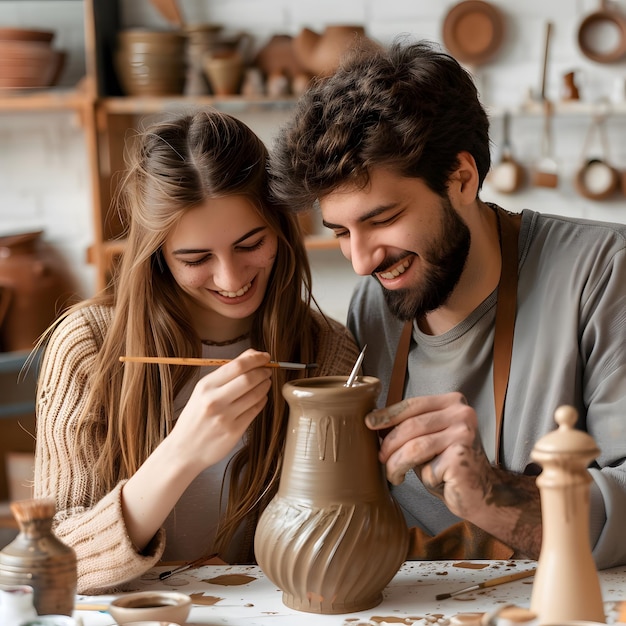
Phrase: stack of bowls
{"type": "Point", "coordinates": [150, 62]}
{"type": "Point", "coordinates": [28, 60]}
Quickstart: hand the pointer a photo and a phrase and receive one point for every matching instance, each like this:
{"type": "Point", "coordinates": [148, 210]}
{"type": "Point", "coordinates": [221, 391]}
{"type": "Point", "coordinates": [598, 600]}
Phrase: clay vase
{"type": "Point", "coordinates": [566, 586]}
{"type": "Point", "coordinates": [36, 557]}
{"type": "Point", "coordinates": [34, 286]}
{"type": "Point", "coordinates": [321, 54]}
{"type": "Point", "coordinates": [332, 537]}
{"type": "Point", "coordinates": [224, 71]}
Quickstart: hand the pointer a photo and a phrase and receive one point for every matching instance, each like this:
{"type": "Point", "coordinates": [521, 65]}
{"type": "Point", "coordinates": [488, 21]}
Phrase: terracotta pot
{"type": "Point", "coordinates": [29, 64]}
{"type": "Point", "coordinates": [33, 288]}
{"type": "Point", "coordinates": [277, 56]}
{"type": "Point", "coordinates": [333, 537]}
{"type": "Point", "coordinates": [321, 54]}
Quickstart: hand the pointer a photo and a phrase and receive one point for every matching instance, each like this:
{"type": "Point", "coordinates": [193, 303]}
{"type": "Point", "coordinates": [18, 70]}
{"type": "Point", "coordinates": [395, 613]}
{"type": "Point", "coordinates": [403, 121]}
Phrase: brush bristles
{"type": "Point", "coordinates": [36, 508]}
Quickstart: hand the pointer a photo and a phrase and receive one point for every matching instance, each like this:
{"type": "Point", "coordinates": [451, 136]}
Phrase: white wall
{"type": "Point", "coordinates": [43, 173]}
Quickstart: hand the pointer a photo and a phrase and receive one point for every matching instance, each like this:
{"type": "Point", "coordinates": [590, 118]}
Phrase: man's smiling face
{"type": "Point", "coordinates": [408, 237]}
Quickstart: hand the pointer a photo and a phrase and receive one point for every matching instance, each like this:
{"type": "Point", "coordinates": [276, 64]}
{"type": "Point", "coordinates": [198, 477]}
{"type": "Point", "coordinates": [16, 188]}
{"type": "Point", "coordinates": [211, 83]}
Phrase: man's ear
{"type": "Point", "coordinates": [463, 184]}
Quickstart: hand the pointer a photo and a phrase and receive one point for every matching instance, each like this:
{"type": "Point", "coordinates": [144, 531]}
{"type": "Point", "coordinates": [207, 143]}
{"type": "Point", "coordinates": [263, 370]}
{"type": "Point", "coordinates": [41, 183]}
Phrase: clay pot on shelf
{"type": "Point", "coordinates": [277, 58]}
{"type": "Point", "coordinates": [34, 287]}
{"type": "Point", "coordinates": [150, 63]}
{"type": "Point", "coordinates": [321, 54]}
{"type": "Point", "coordinates": [333, 537]}
{"type": "Point", "coordinates": [224, 70]}
{"type": "Point", "coordinates": [201, 39]}
{"type": "Point", "coordinates": [28, 60]}
{"type": "Point", "coordinates": [224, 66]}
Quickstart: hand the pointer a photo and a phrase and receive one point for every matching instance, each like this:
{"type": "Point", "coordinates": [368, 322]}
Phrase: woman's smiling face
{"type": "Point", "coordinates": [221, 254]}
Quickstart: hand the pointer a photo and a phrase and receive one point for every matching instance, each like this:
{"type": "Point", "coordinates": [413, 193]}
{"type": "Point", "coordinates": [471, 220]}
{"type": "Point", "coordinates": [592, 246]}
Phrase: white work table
{"type": "Point", "coordinates": [410, 598]}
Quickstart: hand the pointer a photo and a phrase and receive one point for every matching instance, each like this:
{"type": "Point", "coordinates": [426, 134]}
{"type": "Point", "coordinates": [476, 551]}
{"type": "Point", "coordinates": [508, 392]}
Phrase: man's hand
{"type": "Point", "coordinates": [438, 437]}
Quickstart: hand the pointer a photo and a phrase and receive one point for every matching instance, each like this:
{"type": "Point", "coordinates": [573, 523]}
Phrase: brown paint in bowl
{"type": "Point", "coordinates": [159, 606]}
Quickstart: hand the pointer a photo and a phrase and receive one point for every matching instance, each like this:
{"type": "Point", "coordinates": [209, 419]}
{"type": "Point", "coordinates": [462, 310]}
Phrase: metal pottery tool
{"type": "Point", "coordinates": [355, 369]}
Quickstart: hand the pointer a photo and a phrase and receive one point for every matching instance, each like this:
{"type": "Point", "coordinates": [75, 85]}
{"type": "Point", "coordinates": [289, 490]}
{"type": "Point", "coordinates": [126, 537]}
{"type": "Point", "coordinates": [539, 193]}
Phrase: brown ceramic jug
{"type": "Point", "coordinates": [333, 537]}
{"type": "Point", "coordinates": [36, 557]}
{"type": "Point", "coordinates": [34, 287]}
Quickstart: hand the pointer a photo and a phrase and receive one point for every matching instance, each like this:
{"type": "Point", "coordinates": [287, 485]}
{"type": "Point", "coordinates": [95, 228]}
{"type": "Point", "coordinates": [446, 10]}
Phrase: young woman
{"type": "Point", "coordinates": [152, 462]}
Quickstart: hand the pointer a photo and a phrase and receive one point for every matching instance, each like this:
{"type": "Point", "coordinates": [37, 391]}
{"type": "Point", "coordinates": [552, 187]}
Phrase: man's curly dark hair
{"type": "Point", "coordinates": [410, 108]}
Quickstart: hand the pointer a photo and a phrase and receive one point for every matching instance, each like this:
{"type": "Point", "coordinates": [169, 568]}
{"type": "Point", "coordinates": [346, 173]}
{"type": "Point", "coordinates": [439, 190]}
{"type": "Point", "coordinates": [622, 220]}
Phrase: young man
{"type": "Point", "coordinates": [525, 308]}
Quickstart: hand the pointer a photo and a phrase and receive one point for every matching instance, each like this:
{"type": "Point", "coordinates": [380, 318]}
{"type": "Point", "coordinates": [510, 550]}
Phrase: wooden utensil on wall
{"type": "Point", "coordinates": [170, 10]}
{"type": "Point", "coordinates": [545, 172]}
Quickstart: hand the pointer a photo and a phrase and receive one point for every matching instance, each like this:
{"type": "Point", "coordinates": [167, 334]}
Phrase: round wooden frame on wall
{"type": "Point", "coordinates": [473, 31]}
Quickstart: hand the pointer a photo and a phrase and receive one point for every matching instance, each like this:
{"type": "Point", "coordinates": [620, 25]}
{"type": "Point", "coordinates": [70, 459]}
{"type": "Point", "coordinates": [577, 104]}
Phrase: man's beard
{"type": "Point", "coordinates": [446, 258]}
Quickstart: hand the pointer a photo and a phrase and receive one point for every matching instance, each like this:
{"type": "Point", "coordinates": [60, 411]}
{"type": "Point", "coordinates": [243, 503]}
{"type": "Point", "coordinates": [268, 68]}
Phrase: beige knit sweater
{"type": "Point", "coordinates": [91, 523]}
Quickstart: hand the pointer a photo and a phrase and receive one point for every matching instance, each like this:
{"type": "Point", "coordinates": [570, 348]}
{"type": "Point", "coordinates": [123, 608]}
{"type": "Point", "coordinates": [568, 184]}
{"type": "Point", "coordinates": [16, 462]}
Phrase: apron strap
{"type": "Point", "coordinates": [508, 227]}
{"type": "Point", "coordinates": [506, 307]}
{"type": "Point", "coordinates": [464, 540]}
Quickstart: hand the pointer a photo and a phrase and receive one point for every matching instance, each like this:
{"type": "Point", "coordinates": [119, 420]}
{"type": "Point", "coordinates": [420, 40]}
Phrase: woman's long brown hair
{"type": "Point", "coordinates": [173, 166]}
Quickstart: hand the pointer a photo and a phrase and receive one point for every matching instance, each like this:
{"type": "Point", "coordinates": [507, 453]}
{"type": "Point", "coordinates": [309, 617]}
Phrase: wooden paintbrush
{"type": "Point", "coordinates": [173, 360]}
{"type": "Point", "coordinates": [488, 583]}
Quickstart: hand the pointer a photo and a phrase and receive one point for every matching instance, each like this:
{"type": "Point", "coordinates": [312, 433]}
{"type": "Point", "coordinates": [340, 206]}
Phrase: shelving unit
{"type": "Point", "coordinates": [107, 115]}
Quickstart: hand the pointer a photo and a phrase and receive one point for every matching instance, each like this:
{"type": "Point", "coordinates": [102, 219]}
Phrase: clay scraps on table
{"type": "Point", "coordinates": [199, 599]}
{"type": "Point", "coordinates": [469, 565]}
{"type": "Point", "coordinates": [230, 580]}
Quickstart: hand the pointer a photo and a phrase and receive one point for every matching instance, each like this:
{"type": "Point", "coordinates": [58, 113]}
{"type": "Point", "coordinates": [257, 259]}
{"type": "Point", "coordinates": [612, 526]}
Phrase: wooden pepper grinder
{"type": "Point", "coordinates": [566, 585]}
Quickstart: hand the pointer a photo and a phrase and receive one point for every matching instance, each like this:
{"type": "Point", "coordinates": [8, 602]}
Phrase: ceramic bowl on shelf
{"type": "Point", "coordinates": [151, 606]}
{"type": "Point", "coordinates": [28, 63]}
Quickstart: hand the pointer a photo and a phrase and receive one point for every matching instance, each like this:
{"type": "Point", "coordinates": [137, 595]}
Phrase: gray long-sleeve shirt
{"type": "Point", "coordinates": [569, 348]}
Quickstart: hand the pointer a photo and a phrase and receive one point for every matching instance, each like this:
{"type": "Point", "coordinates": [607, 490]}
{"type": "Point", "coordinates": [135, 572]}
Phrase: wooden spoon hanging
{"type": "Point", "coordinates": [170, 10]}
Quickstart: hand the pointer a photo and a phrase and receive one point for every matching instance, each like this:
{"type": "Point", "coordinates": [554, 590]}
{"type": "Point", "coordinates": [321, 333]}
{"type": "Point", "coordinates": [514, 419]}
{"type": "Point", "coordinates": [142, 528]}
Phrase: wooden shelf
{"type": "Point", "coordinates": [136, 105]}
{"type": "Point", "coordinates": [321, 242]}
{"type": "Point", "coordinates": [535, 108]}
{"type": "Point", "coordinates": [43, 100]}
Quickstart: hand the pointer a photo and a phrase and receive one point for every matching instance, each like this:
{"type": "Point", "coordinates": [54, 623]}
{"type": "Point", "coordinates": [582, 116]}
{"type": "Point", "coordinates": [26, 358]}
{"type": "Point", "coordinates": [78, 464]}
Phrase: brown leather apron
{"type": "Point", "coordinates": [464, 540]}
